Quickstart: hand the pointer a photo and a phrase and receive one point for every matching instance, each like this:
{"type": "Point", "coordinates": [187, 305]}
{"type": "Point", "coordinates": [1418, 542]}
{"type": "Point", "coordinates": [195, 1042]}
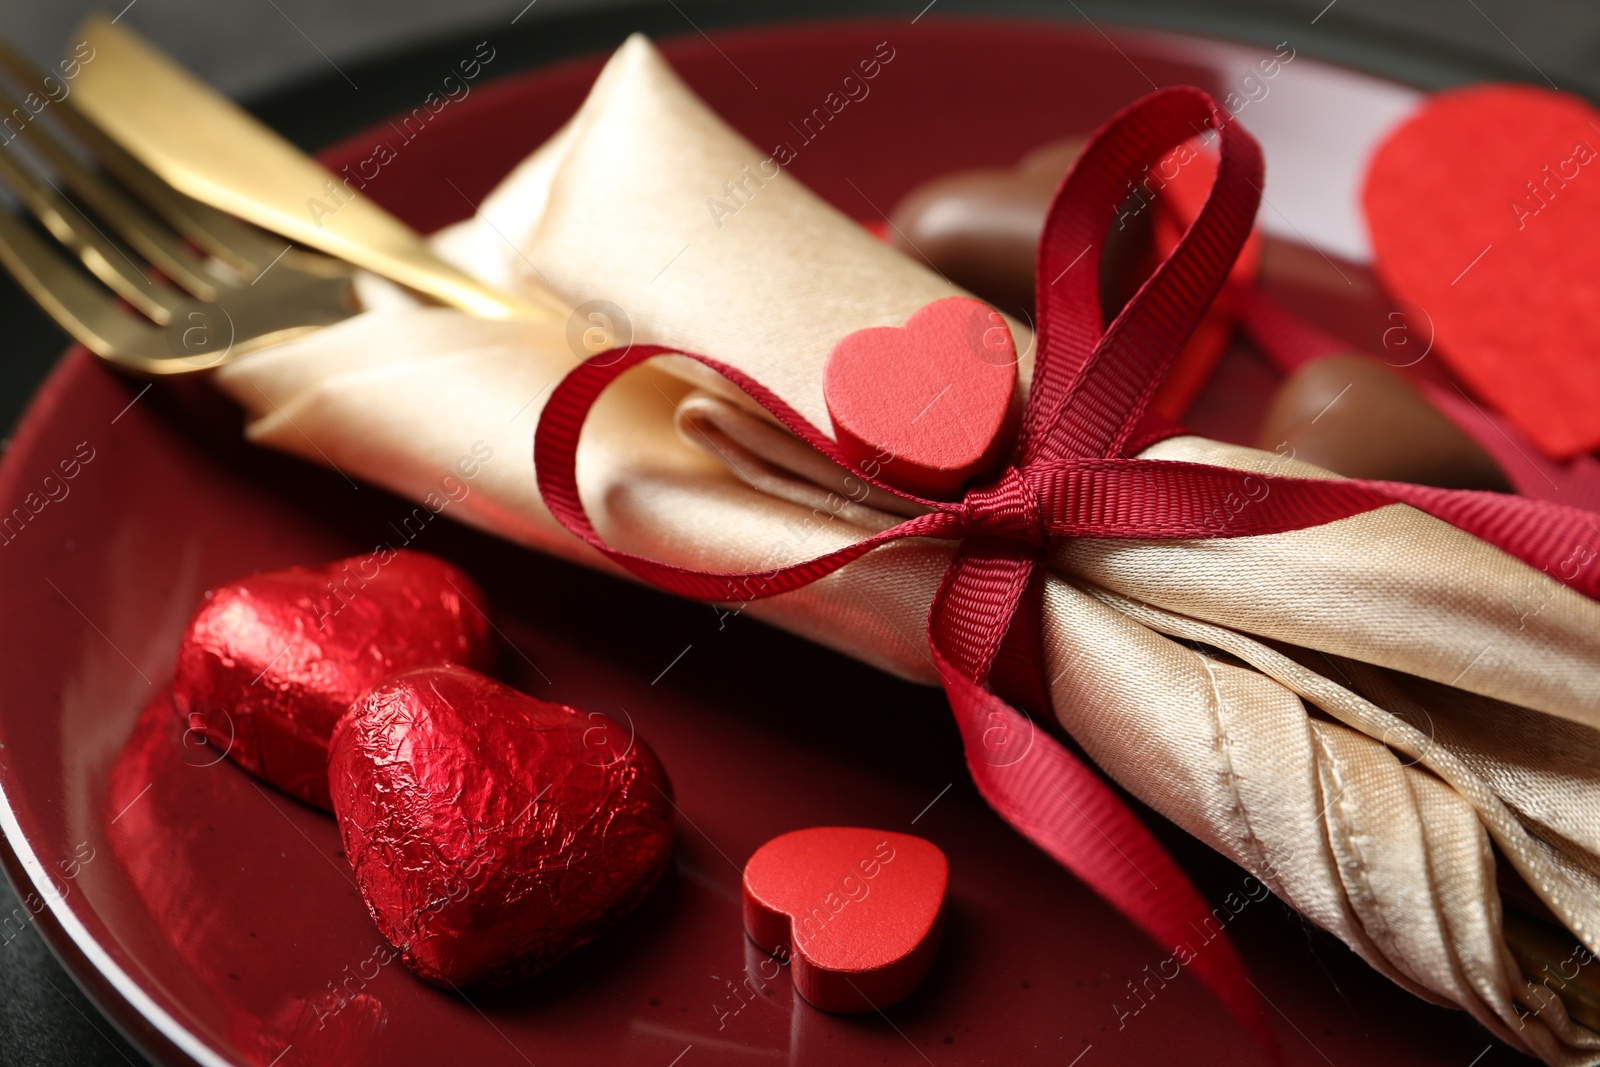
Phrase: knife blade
{"type": "Point", "coordinates": [204, 145]}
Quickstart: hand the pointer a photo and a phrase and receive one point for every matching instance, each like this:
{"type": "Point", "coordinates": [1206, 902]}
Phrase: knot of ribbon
{"type": "Point", "coordinates": [1009, 508]}
{"type": "Point", "coordinates": [1070, 475]}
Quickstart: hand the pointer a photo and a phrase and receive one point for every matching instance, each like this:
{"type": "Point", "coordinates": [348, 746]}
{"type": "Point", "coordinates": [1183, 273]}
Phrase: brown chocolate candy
{"type": "Point", "coordinates": [1355, 416]}
{"type": "Point", "coordinates": [980, 229]}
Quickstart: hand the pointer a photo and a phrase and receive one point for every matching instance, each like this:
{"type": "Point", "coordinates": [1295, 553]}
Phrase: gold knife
{"type": "Point", "coordinates": [206, 146]}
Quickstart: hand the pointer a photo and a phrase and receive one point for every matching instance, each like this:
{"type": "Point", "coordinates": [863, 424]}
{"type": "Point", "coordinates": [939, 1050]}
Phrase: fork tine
{"type": "Point", "coordinates": [241, 246]}
{"type": "Point", "coordinates": [104, 259]}
{"type": "Point", "coordinates": [228, 318]}
{"type": "Point", "coordinates": [149, 237]}
{"type": "Point", "coordinates": [78, 305]}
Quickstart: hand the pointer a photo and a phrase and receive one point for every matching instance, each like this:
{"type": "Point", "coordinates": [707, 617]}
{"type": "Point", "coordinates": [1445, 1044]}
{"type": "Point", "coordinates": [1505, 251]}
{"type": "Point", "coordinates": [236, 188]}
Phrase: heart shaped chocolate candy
{"type": "Point", "coordinates": [492, 833]}
{"type": "Point", "coordinates": [270, 662]}
{"type": "Point", "coordinates": [1359, 418]}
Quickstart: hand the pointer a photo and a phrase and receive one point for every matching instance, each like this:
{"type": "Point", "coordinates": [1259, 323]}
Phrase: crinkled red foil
{"type": "Point", "coordinates": [270, 662]}
{"type": "Point", "coordinates": [492, 833]}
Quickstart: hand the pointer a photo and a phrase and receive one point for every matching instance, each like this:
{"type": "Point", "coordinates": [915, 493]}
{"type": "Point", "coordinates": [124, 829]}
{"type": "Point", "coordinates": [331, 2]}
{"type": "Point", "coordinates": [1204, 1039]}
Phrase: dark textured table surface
{"type": "Point", "coordinates": [295, 62]}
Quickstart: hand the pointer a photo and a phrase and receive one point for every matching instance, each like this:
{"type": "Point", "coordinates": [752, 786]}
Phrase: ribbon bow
{"type": "Point", "coordinates": [1069, 475]}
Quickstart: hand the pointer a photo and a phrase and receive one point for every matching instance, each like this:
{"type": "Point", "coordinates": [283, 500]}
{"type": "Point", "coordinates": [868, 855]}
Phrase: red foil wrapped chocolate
{"type": "Point", "coordinates": [271, 662]}
{"type": "Point", "coordinates": [492, 833]}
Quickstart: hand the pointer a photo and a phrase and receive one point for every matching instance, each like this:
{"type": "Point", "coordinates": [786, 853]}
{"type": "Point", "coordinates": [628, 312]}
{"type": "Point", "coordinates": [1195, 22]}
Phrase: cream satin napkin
{"type": "Point", "coordinates": [1377, 717]}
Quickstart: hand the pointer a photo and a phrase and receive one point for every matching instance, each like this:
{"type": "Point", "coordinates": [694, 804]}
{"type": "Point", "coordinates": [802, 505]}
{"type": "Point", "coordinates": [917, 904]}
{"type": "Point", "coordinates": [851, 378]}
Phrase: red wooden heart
{"type": "Point", "coordinates": [492, 833]}
{"type": "Point", "coordinates": [1484, 209]}
{"type": "Point", "coordinates": [270, 662]}
{"type": "Point", "coordinates": [926, 406]}
{"type": "Point", "coordinates": [862, 910]}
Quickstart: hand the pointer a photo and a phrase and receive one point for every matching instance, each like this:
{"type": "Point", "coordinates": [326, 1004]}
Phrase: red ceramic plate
{"type": "Point", "coordinates": [216, 921]}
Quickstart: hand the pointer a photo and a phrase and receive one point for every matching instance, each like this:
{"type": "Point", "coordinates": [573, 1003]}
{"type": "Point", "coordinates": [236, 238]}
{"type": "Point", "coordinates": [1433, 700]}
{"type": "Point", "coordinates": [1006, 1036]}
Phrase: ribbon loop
{"type": "Point", "coordinates": [1088, 398]}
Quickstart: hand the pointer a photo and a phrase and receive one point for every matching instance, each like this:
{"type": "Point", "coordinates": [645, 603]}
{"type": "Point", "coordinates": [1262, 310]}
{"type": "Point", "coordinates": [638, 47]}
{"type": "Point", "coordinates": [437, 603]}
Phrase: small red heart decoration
{"type": "Point", "coordinates": [926, 406]}
{"type": "Point", "coordinates": [492, 833]}
{"type": "Point", "coordinates": [269, 663]}
{"type": "Point", "coordinates": [862, 910]}
{"type": "Point", "coordinates": [1484, 210]}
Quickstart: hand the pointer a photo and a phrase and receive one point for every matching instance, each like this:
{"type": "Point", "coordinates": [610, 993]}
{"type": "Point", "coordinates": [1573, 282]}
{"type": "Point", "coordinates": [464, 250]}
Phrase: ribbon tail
{"type": "Point", "coordinates": [1052, 797]}
{"type": "Point", "coordinates": [1065, 808]}
{"type": "Point", "coordinates": [1561, 541]}
{"type": "Point", "coordinates": [1556, 538]}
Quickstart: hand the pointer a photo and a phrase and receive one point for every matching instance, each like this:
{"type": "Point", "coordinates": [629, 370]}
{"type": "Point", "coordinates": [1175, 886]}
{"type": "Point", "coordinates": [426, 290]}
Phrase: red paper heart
{"type": "Point", "coordinates": [269, 663]}
{"type": "Point", "coordinates": [862, 910]}
{"type": "Point", "coordinates": [492, 833]}
{"type": "Point", "coordinates": [927, 405]}
{"type": "Point", "coordinates": [1484, 209]}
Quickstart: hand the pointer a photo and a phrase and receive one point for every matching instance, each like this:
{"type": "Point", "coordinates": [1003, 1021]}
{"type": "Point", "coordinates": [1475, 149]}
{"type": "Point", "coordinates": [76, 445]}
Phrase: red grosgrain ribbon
{"type": "Point", "coordinates": [1069, 476]}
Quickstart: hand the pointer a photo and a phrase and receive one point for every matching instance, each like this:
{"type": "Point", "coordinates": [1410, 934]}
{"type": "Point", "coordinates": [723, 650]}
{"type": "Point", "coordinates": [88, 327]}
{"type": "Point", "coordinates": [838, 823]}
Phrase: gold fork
{"type": "Point", "coordinates": [206, 146]}
{"type": "Point", "coordinates": [191, 310]}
